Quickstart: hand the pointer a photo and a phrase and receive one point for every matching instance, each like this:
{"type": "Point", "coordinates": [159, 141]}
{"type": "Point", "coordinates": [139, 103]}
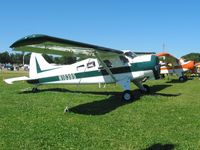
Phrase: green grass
{"type": "Point", "coordinates": [168, 118]}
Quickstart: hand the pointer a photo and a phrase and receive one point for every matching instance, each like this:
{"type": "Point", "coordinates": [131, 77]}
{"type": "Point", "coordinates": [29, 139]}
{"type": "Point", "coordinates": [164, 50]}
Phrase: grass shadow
{"type": "Point", "coordinates": [175, 81]}
{"type": "Point", "coordinates": [113, 102]}
{"type": "Point", "coordinates": [161, 147]}
{"type": "Point", "coordinates": [101, 107]}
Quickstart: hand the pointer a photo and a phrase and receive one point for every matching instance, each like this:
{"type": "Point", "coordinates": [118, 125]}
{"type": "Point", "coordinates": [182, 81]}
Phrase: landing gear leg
{"type": "Point", "coordinates": [66, 110]}
{"type": "Point", "coordinates": [144, 89]}
{"type": "Point", "coordinates": [127, 96]}
{"type": "Point", "coordinates": [147, 89]}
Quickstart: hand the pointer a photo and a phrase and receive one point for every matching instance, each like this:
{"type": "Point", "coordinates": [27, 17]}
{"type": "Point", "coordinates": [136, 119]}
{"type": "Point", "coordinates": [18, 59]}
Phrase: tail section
{"type": "Point", "coordinates": [38, 65]}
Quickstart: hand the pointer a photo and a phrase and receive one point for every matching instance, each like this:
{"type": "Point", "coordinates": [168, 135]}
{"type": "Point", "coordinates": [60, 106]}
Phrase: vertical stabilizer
{"type": "Point", "coordinates": [38, 65]}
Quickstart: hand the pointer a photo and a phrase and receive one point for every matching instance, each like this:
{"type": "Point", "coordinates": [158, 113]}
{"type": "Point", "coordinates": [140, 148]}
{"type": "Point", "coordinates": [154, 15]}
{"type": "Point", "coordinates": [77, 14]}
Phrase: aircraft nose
{"type": "Point", "coordinates": [192, 66]}
{"type": "Point", "coordinates": [189, 65]}
{"type": "Point", "coordinates": [156, 66]}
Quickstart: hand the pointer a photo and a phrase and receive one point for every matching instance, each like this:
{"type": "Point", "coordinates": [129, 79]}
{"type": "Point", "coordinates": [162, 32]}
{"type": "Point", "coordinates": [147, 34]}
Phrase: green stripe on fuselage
{"type": "Point", "coordinates": [39, 70]}
{"type": "Point", "coordinates": [49, 79]}
{"type": "Point", "coordinates": [147, 65]}
{"type": "Point", "coordinates": [140, 66]}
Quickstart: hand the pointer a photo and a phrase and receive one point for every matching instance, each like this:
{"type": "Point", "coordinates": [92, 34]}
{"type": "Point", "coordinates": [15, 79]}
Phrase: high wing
{"type": "Point", "coordinates": [145, 53]}
{"type": "Point", "coordinates": [167, 58]}
{"type": "Point", "coordinates": [51, 45]}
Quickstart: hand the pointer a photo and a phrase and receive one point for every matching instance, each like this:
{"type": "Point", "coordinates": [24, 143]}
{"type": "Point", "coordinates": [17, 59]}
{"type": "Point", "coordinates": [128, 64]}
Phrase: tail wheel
{"type": "Point", "coordinates": [147, 89]}
{"type": "Point", "coordinates": [35, 90]}
{"type": "Point", "coordinates": [127, 96]}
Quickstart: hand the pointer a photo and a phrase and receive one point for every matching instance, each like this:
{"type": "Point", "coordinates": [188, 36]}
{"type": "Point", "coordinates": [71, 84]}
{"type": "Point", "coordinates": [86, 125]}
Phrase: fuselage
{"type": "Point", "coordinates": [89, 71]}
{"type": "Point", "coordinates": [178, 69]}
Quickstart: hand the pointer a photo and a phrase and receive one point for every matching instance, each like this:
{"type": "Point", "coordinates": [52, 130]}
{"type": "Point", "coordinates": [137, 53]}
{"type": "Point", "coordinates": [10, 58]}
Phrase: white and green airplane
{"type": "Point", "coordinates": [103, 65]}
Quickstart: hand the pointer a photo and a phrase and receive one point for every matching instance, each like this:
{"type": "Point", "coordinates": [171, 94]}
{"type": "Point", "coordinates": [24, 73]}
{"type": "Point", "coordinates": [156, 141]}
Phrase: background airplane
{"type": "Point", "coordinates": [103, 65]}
{"type": "Point", "coordinates": [170, 64]}
{"type": "Point", "coordinates": [197, 65]}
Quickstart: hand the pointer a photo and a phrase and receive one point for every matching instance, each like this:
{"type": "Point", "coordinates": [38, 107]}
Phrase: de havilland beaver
{"type": "Point", "coordinates": [103, 65]}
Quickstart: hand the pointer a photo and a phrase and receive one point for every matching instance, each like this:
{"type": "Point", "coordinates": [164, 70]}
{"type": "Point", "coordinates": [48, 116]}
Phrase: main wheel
{"type": "Point", "coordinates": [147, 89]}
{"type": "Point", "coordinates": [127, 96]}
{"type": "Point", "coordinates": [182, 79]}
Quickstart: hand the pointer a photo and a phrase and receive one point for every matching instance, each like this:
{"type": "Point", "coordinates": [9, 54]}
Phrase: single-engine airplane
{"type": "Point", "coordinates": [103, 65]}
{"type": "Point", "coordinates": [170, 64]}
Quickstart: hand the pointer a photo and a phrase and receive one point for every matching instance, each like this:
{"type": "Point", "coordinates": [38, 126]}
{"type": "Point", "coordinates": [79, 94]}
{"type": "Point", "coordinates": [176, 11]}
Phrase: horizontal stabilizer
{"type": "Point", "coordinates": [11, 80]}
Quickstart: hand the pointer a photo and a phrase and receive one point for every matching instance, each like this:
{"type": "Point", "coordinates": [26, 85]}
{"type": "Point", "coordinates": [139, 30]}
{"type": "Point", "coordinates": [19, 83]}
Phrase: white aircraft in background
{"type": "Point", "coordinates": [103, 65]}
{"type": "Point", "coordinates": [170, 64]}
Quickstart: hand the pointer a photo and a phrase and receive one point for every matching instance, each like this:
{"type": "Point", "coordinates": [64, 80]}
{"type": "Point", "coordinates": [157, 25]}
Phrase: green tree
{"type": "Point", "coordinates": [16, 58]}
{"type": "Point", "coordinates": [48, 58]}
{"type": "Point", "coordinates": [67, 60]}
{"type": "Point", "coordinates": [4, 58]}
{"type": "Point", "coordinates": [192, 56]}
{"type": "Point", "coordinates": [27, 58]}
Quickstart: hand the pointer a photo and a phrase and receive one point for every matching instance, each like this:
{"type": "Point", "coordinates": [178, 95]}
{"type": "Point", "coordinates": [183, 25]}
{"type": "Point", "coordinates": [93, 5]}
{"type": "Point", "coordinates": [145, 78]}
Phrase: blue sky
{"type": "Point", "coordinates": [140, 25]}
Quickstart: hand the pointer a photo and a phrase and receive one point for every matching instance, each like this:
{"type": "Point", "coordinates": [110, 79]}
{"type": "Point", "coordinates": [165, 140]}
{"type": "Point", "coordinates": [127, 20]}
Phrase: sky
{"type": "Point", "coordinates": [138, 25]}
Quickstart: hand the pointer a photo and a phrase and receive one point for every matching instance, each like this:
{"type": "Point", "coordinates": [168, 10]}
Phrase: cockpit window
{"type": "Point", "coordinates": [123, 59]}
{"type": "Point", "coordinates": [130, 54]}
{"type": "Point", "coordinates": [91, 64]}
{"type": "Point", "coordinates": [80, 67]}
{"type": "Point", "coordinates": [108, 63]}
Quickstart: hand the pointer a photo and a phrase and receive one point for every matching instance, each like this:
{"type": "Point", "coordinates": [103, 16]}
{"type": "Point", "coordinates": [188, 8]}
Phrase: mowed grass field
{"type": "Point", "coordinates": [167, 118]}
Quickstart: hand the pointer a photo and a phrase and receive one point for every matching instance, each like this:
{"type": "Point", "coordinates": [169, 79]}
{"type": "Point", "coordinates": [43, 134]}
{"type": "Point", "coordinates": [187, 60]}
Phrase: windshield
{"type": "Point", "coordinates": [130, 54]}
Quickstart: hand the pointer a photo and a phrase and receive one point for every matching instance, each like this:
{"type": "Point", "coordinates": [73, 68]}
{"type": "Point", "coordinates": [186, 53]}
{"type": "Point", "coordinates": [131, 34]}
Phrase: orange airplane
{"type": "Point", "coordinates": [170, 64]}
{"type": "Point", "coordinates": [197, 65]}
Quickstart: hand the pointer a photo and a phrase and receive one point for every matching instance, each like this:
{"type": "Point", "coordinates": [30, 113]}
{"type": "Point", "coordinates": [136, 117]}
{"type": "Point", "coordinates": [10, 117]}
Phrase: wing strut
{"type": "Point", "coordinates": [105, 67]}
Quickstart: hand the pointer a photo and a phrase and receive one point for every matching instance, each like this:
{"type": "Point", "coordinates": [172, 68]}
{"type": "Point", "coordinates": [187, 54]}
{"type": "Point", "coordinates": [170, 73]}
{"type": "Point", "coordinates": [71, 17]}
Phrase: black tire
{"type": "Point", "coordinates": [35, 90]}
{"type": "Point", "coordinates": [147, 89]}
{"type": "Point", "coordinates": [181, 79]}
{"type": "Point", "coordinates": [127, 96]}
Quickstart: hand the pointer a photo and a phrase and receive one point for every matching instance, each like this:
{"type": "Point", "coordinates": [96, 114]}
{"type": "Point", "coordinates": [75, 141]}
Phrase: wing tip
{"type": "Point", "coordinates": [26, 40]}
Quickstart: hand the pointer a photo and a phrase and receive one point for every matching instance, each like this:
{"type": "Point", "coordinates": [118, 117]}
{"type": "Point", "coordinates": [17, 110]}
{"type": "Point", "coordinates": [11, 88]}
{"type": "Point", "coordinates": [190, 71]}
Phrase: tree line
{"type": "Point", "coordinates": [192, 56]}
{"type": "Point", "coordinates": [24, 58]}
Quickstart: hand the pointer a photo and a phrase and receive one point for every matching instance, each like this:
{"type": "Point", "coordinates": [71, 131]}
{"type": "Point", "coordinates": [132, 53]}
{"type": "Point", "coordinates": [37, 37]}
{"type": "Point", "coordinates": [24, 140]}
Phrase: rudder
{"type": "Point", "coordinates": [37, 65]}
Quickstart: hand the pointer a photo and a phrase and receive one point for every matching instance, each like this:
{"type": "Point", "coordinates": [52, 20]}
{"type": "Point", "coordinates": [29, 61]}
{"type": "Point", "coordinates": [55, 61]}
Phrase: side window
{"type": "Point", "coordinates": [123, 59]}
{"type": "Point", "coordinates": [80, 67]}
{"type": "Point", "coordinates": [108, 63]}
{"type": "Point", "coordinates": [91, 64]}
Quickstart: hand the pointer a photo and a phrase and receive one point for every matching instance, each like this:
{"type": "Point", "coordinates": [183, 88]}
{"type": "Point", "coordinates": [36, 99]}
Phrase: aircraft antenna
{"type": "Point", "coordinates": [163, 47]}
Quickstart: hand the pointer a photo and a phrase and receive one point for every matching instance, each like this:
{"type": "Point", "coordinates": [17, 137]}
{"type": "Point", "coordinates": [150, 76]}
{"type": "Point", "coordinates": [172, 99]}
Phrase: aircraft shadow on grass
{"type": "Point", "coordinates": [161, 147]}
{"type": "Point", "coordinates": [109, 104]}
{"type": "Point", "coordinates": [175, 81]}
